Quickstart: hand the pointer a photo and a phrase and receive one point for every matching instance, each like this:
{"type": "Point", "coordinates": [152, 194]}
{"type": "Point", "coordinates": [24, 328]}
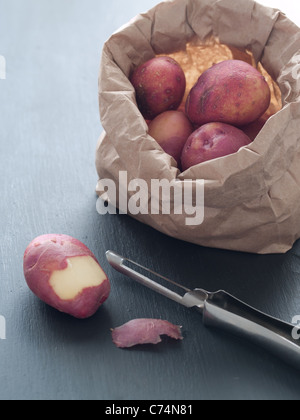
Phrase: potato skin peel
{"type": "Point", "coordinates": [144, 331]}
{"type": "Point", "coordinates": [49, 253]}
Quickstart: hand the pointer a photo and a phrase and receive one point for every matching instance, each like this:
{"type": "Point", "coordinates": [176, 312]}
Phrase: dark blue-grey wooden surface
{"type": "Point", "coordinates": [49, 126]}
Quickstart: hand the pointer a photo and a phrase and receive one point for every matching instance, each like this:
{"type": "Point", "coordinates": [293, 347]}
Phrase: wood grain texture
{"type": "Point", "coordinates": [49, 125]}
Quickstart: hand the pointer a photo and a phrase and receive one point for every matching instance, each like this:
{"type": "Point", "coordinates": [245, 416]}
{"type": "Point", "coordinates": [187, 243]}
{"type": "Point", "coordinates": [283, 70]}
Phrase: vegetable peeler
{"type": "Point", "coordinates": [222, 310]}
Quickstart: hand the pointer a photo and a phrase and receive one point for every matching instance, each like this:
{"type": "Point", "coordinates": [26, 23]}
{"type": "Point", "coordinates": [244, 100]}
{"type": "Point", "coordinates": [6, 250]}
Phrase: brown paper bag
{"type": "Point", "coordinates": [251, 198]}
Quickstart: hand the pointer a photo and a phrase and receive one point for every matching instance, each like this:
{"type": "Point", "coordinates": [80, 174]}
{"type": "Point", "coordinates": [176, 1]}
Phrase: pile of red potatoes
{"type": "Point", "coordinates": [228, 96]}
{"type": "Point", "coordinates": [61, 270]}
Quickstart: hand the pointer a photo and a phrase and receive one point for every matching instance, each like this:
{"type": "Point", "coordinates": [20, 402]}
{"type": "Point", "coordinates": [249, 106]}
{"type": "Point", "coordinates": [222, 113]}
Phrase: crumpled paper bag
{"type": "Point", "coordinates": [251, 198]}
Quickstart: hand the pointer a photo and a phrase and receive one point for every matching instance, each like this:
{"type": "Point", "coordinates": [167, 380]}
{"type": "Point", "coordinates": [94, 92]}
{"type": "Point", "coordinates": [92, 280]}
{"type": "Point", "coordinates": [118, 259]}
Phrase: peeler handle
{"type": "Point", "coordinates": [225, 311]}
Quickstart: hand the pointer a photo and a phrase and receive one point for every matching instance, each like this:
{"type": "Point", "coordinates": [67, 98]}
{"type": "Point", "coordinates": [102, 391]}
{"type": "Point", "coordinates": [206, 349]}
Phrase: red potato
{"type": "Point", "coordinates": [211, 141]}
{"type": "Point", "coordinates": [252, 130]}
{"type": "Point", "coordinates": [160, 86]}
{"type": "Point", "coordinates": [231, 92]}
{"type": "Point", "coordinates": [65, 274]}
{"type": "Point", "coordinates": [171, 129]}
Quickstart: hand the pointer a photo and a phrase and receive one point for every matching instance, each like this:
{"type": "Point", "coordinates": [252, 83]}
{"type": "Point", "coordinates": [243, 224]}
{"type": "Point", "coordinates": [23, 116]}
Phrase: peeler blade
{"type": "Point", "coordinates": [191, 298]}
{"type": "Point", "coordinates": [221, 310]}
